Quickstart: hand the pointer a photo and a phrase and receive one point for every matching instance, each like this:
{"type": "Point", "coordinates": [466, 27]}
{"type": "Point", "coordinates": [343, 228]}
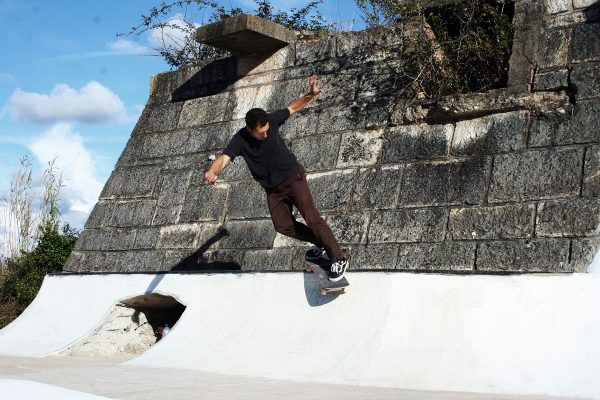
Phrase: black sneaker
{"type": "Point", "coordinates": [337, 270]}
{"type": "Point", "coordinates": [316, 254]}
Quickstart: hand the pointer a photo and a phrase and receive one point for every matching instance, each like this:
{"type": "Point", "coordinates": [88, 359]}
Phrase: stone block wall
{"type": "Point", "coordinates": [502, 181]}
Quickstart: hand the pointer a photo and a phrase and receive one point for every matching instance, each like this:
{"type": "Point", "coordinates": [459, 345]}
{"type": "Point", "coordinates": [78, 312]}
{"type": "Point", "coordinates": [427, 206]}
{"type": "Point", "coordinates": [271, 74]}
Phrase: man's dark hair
{"type": "Point", "coordinates": [255, 117]}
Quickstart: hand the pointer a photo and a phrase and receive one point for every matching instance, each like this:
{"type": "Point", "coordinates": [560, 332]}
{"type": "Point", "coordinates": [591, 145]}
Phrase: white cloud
{"type": "Point", "coordinates": [92, 104]}
{"type": "Point", "coordinates": [175, 33]}
{"type": "Point", "coordinates": [82, 188]}
{"type": "Point", "coordinates": [120, 47]}
{"type": "Point", "coordinates": [124, 46]}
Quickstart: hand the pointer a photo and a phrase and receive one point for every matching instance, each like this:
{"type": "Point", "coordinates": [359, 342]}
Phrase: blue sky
{"type": "Point", "coordinates": [71, 90]}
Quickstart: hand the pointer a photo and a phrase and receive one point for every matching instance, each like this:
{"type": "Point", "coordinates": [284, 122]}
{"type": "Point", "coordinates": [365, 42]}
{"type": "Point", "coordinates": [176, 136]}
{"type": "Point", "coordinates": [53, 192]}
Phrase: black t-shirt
{"type": "Point", "coordinates": [270, 161]}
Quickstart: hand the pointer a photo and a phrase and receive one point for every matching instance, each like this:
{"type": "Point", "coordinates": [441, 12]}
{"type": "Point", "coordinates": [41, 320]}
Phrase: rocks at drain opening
{"type": "Point", "coordinates": [125, 332]}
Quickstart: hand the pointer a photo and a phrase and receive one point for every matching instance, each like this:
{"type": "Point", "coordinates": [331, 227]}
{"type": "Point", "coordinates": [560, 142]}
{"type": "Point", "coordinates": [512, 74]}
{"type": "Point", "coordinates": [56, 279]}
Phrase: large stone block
{"type": "Point", "coordinates": [536, 175]}
{"type": "Point", "coordinates": [173, 184]}
{"type": "Point", "coordinates": [249, 234]}
{"type": "Point", "coordinates": [259, 63]}
{"type": "Point", "coordinates": [331, 189]}
{"type": "Point", "coordinates": [131, 182]}
{"type": "Point", "coordinates": [159, 118]}
{"type": "Point", "coordinates": [132, 213]}
{"type": "Point", "coordinates": [413, 225]}
{"type": "Point", "coordinates": [496, 133]}
{"type": "Point", "coordinates": [240, 102]}
{"type": "Point", "coordinates": [584, 3]}
{"type": "Point", "coordinates": [99, 215]}
{"type": "Point", "coordinates": [416, 142]}
{"type": "Point", "coordinates": [104, 261]}
{"type": "Point", "coordinates": [204, 203]}
{"type": "Point", "coordinates": [349, 228]}
{"type": "Point", "coordinates": [226, 260]}
{"type": "Point", "coordinates": [279, 94]}
{"type": "Point", "coordinates": [384, 78]}
{"type": "Point", "coordinates": [360, 148]}
{"type": "Point", "coordinates": [271, 259]}
{"type": "Point", "coordinates": [303, 123]}
{"type": "Point", "coordinates": [339, 87]}
{"type": "Point", "coordinates": [204, 110]}
{"type": "Point", "coordinates": [583, 126]}
{"type": "Point", "coordinates": [567, 218]}
{"type": "Point", "coordinates": [105, 239]}
{"type": "Point", "coordinates": [142, 260]}
{"type": "Point", "coordinates": [585, 80]}
{"type": "Point", "coordinates": [586, 43]}
{"type": "Point", "coordinates": [166, 215]}
{"type": "Point", "coordinates": [543, 128]}
{"type": "Point", "coordinates": [436, 256]}
{"type": "Point", "coordinates": [502, 222]}
{"type": "Point", "coordinates": [132, 151]}
{"type": "Point", "coordinates": [75, 262]}
{"type": "Point", "coordinates": [583, 252]}
{"type": "Point", "coordinates": [381, 256]}
{"type": "Point", "coordinates": [316, 152]}
{"type": "Point", "coordinates": [214, 137]}
{"type": "Point", "coordinates": [247, 199]}
{"type": "Point", "coordinates": [591, 172]}
{"type": "Point", "coordinates": [315, 50]}
{"type": "Point", "coordinates": [556, 48]}
{"type": "Point", "coordinates": [556, 6]}
{"type": "Point", "coordinates": [371, 114]}
{"type": "Point", "coordinates": [165, 144]}
{"type": "Point", "coordinates": [581, 16]}
{"type": "Point", "coordinates": [180, 236]}
{"type": "Point", "coordinates": [551, 80]}
{"type": "Point", "coordinates": [146, 238]}
{"type": "Point", "coordinates": [444, 183]}
{"type": "Point", "coordinates": [549, 255]}
{"type": "Point", "coordinates": [377, 188]}
{"type": "Point", "coordinates": [363, 44]}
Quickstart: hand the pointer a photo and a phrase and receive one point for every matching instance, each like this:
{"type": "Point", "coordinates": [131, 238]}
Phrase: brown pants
{"type": "Point", "coordinates": [294, 191]}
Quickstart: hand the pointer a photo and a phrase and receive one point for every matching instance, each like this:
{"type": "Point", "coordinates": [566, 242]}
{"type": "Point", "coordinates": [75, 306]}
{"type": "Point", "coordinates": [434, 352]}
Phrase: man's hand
{"type": "Point", "coordinates": [210, 177]}
{"type": "Point", "coordinates": [314, 90]}
{"type": "Point", "coordinates": [300, 103]}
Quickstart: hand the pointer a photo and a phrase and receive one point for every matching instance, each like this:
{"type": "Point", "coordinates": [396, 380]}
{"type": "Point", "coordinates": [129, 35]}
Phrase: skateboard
{"type": "Point", "coordinates": [326, 285]}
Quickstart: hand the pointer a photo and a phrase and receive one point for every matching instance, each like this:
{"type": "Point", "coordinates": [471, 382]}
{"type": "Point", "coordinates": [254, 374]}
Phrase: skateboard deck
{"type": "Point", "coordinates": [326, 285]}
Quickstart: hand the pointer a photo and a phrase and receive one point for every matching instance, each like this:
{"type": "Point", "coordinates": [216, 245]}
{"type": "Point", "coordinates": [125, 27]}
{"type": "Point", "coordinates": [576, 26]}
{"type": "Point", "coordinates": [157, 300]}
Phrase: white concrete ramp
{"type": "Point", "coordinates": [529, 334]}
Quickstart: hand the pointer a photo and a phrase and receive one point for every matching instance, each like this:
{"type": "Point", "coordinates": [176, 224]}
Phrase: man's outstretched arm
{"type": "Point", "coordinates": [215, 169]}
{"type": "Point", "coordinates": [300, 103]}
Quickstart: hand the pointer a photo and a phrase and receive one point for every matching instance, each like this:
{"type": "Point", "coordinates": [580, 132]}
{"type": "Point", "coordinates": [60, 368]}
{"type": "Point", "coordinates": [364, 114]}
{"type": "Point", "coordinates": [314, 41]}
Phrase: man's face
{"type": "Point", "coordinates": [260, 132]}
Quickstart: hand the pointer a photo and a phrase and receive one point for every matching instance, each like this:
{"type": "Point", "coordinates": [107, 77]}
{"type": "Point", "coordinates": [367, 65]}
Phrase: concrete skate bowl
{"type": "Point", "coordinates": [474, 333]}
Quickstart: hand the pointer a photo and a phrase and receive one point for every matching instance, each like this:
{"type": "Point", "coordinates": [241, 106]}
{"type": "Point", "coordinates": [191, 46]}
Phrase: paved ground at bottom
{"type": "Point", "coordinates": [106, 377]}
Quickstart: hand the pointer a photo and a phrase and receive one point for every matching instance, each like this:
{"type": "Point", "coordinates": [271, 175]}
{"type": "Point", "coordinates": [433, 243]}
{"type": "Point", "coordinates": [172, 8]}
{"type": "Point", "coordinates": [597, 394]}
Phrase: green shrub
{"type": "Point", "coordinates": [24, 274]}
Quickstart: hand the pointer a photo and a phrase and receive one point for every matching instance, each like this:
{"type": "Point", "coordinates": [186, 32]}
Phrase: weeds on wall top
{"type": "Point", "coordinates": [475, 37]}
{"type": "Point", "coordinates": [176, 34]}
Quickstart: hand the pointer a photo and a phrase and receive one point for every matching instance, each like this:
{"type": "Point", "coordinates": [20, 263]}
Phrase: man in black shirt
{"type": "Point", "coordinates": [276, 169]}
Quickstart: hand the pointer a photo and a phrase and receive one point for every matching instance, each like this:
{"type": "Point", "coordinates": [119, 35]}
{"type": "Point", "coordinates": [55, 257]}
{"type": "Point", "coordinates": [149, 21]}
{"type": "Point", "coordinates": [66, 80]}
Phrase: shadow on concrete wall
{"type": "Point", "coordinates": [216, 77]}
{"type": "Point", "coordinates": [198, 261]}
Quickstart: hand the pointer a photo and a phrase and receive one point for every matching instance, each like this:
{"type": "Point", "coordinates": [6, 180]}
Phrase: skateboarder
{"type": "Point", "coordinates": [276, 169]}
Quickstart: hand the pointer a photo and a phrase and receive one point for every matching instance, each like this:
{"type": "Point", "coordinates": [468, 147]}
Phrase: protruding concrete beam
{"type": "Point", "coordinates": [245, 34]}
